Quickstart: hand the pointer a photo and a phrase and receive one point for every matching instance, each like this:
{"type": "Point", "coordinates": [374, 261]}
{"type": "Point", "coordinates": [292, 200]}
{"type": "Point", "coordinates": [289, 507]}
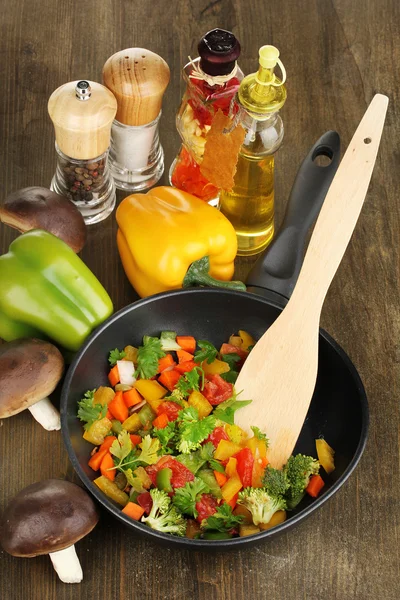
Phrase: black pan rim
{"type": "Point", "coordinates": [141, 529]}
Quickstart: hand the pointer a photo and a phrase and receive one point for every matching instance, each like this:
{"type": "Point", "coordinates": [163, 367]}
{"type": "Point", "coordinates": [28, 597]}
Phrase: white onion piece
{"type": "Point", "coordinates": [126, 370]}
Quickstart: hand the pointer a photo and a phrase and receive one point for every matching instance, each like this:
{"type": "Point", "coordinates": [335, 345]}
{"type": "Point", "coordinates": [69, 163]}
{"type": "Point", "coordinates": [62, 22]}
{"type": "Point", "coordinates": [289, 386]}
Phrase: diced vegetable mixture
{"type": "Point", "coordinates": [167, 448]}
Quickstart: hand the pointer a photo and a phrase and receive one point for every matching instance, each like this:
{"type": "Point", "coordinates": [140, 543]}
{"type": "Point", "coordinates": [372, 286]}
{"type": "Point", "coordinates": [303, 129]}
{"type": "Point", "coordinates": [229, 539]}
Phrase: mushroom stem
{"type": "Point", "coordinates": [46, 414]}
{"type": "Point", "coordinates": [67, 565]}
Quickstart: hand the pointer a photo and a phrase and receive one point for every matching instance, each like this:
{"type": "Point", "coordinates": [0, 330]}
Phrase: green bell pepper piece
{"type": "Point", "coordinates": [45, 287]}
{"type": "Point", "coordinates": [163, 480]}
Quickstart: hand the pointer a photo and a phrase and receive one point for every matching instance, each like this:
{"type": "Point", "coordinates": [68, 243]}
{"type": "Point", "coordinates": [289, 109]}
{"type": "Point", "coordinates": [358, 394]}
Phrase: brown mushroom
{"type": "Point", "coordinates": [30, 370]}
{"type": "Point", "coordinates": [49, 517]}
{"type": "Point", "coordinates": [40, 208]}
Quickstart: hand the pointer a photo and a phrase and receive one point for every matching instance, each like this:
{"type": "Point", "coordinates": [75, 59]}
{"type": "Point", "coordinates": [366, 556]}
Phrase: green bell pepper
{"type": "Point", "coordinates": [47, 290]}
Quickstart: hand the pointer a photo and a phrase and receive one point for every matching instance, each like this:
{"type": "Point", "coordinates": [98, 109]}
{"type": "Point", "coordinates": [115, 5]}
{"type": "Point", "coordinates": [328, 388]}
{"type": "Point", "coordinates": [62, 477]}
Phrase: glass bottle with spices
{"type": "Point", "coordinates": [250, 204]}
{"type": "Point", "coordinates": [82, 113]}
{"type": "Point", "coordinates": [212, 81]}
{"type": "Point", "coordinates": [138, 79]}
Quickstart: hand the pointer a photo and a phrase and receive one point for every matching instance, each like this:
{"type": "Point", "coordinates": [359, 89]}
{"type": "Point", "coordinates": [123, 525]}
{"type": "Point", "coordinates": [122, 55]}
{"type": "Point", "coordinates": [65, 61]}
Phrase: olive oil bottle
{"type": "Point", "coordinates": [250, 205]}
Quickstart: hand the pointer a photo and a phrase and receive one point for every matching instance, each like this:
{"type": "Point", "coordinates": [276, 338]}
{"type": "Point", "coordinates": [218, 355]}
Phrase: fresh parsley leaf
{"type": "Point", "coordinates": [232, 359]}
{"type": "Point", "coordinates": [216, 465]}
{"type": "Point", "coordinates": [122, 450]}
{"type": "Point", "coordinates": [185, 498]}
{"type": "Point", "coordinates": [193, 431]}
{"type": "Point", "coordinates": [134, 481]}
{"type": "Point", "coordinates": [121, 447]}
{"type": "Point", "coordinates": [226, 410]}
{"type": "Point", "coordinates": [208, 352]}
{"type": "Point", "coordinates": [230, 376]}
{"type": "Point", "coordinates": [115, 355]}
{"type": "Point", "coordinates": [88, 411]}
{"type": "Point", "coordinates": [150, 448]}
{"type": "Point", "coordinates": [259, 434]}
{"type": "Point", "coordinates": [222, 520]}
{"type": "Point", "coordinates": [167, 437]}
{"type": "Point", "coordinates": [191, 380]}
{"type": "Point", "coordinates": [207, 451]}
{"type": "Point", "coordinates": [195, 460]}
{"type": "Point", "coordinates": [148, 356]}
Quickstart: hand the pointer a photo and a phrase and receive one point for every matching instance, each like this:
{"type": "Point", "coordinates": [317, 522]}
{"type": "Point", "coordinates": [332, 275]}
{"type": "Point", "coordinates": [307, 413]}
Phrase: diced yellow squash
{"type": "Point", "coordinates": [131, 353]}
{"type": "Point", "coordinates": [111, 490]}
{"type": "Point", "coordinates": [247, 340]}
{"type": "Point", "coordinates": [150, 389]}
{"type": "Point", "coordinates": [155, 404]}
{"type": "Point", "coordinates": [230, 468]}
{"type": "Point", "coordinates": [103, 395]}
{"type": "Point", "coordinates": [248, 529]}
{"type": "Point", "coordinates": [258, 447]}
{"type": "Point", "coordinates": [276, 519]}
{"type": "Point", "coordinates": [236, 434]}
{"type": "Point", "coordinates": [235, 340]}
{"type": "Point", "coordinates": [98, 431]}
{"type": "Point", "coordinates": [325, 455]}
{"type": "Point", "coordinates": [242, 511]}
{"type": "Point", "coordinates": [226, 449]}
{"type": "Point", "coordinates": [215, 368]}
{"type": "Point", "coordinates": [132, 423]}
{"type": "Point", "coordinates": [141, 474]}
{"type": "Point", "coordinates": [231, 488]}
{"type": "Point", "coordinates": [197, 400]}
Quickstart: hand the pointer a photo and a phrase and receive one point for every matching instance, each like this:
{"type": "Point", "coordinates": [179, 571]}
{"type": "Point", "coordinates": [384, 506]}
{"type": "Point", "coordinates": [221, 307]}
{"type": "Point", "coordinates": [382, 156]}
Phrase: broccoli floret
{"type": "Point", "coordinates": [298, 470]}
{"type": "Point", "coordinates": [261, 505]}
{"type": "Point", "coordinates": [275, 481]}
{"type": "Point", "coordinates": [164, 517]}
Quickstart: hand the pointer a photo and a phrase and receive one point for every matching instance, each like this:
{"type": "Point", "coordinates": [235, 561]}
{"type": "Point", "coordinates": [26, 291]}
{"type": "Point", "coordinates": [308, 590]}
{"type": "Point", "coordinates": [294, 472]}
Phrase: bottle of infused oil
{"type": "Point", "coordinates": [250, 204]}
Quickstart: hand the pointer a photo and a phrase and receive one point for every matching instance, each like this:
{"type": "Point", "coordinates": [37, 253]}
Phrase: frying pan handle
{"type": "Point", "coordinates": [278, 268]}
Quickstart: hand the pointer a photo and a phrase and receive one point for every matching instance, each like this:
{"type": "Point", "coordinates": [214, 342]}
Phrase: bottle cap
{"type": "Point", "coordinates": [268, 56]}
{"type": "Point", "coordinates": [219, 50]}
{"type": "Point", "coordinates": [138, 79]}
{"type": "Point", "coordinates": [82, 113]}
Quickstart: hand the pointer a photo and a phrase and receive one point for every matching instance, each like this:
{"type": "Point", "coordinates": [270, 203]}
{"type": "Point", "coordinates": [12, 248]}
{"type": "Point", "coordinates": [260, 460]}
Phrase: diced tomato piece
{"type": "Point", "coordinates": [231, 349]}
{"type": "Point", "coordinates": [216, 436]}
{"type": "Point", "coordinates": [180, 474]}
{"type": "Point", "coordinates": [232, 503]}
{"type": "Point", "coordinates": [188, 365]}
{"type": "Point", "coordinates": [244, 467]}
{"type": "Point", "coordinates": [144, 500]}
{"type": "Point", "coordinates": [217, 390]}
{"type": "Point", "coordinates": [171, 409]}
{"type": "Point", "coordinates": [135, 439]}
{"type": "Point", "coordinates": [206, 506]}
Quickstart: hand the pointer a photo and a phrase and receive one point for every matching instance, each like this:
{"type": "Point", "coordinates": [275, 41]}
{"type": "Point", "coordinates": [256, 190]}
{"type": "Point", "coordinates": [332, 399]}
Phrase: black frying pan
{"type": "Point", "coordinates": [338, 410]}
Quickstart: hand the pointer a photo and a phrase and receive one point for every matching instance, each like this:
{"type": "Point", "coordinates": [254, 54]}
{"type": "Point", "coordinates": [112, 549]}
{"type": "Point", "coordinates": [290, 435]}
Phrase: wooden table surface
{"type": "Point", "coordinates": [337, 55]}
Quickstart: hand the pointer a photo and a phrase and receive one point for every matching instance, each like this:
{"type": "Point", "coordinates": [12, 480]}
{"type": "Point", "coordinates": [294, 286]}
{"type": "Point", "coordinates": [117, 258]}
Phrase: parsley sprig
{"type": "Point", "coordinates": [148, 356]}
{"type": "Point", "coordinates": [223, 520]}
{"type": "Point", "coordinates": [208, 352]}
{"type": "Point", "coordinates": [185, 498]}
{"type": "Point", "coordinates": [122, 450]}
{"type": "Point", "coordinates": [88, 411]}
{"type": "Point", "coordinates": [190, 381]}
{"type": "Point", "coordinates": [226, 410]}
{"type": "Point", "coordinates": [192, 430]}
{"type": "Point", "coordinates": [115, 355]}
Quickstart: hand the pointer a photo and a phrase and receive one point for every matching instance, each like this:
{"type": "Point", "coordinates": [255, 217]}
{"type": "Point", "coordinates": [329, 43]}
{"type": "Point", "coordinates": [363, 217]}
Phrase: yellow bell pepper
{"type": "Point", "coordinates": [150, 389]}
{"type": "Point", "coordinates": [168, 239]}
{"type": "Point", "coordinates": [201, 403]}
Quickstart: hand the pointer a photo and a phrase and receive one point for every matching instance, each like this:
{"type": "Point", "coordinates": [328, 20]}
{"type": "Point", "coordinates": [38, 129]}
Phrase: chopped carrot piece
{"type": "Point", "coordinates": [188, 365]}
{"type": "Point", "coordinates": [108, 441]}
{"type": "Point", "coordinates": [161, 421]}
{"type": "Point", "coordinates": [133, 510]}
{"type": "Point", "coordinates": [315, 485]}
{"type": "Point", "coordinates": [113, 376]}
{"type": "Point", "coordinates": [184, 356]}
{"type": "Point", "coordinates": [169, 379]}
{"type": "Point", "coordinates": [221, 478]}
{"type": "Point", "coordinates": [106, 464]}
{"type": "Point", "coordinates": [118, 408]}
{"type": "Point", "coordinates": [132, 397]}
{"type": "Point", "coordinates": [165, 362]}
{"type": "Point", "coordinates": [135, 439]}
{"type": "Point", "coordinates": [109, 415]}
{"type": "Point", "coordinates": [95, 462]}
{"type": "Point", "coordinates": [187, 343]}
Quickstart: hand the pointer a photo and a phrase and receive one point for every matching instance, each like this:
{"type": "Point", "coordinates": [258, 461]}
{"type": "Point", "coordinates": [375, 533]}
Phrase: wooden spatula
{"type": "Point", "coordinates": [281, 370]}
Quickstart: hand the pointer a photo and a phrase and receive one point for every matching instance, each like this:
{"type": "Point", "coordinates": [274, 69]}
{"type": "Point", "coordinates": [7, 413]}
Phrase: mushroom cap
{"type": "Point", "coordinates": [40, 208]}
{"type": "Point", "coordinates": [29, 371]}
{"type": "Point", "coordinates": [45, 517]}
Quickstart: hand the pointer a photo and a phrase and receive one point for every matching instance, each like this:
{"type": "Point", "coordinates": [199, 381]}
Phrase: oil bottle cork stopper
{"type": "Point", "coordinates": [82, 113]}
{"type": "Point", "coordinates": [138, 79]}
{"type": "Point", "coordinates": [268, 56]}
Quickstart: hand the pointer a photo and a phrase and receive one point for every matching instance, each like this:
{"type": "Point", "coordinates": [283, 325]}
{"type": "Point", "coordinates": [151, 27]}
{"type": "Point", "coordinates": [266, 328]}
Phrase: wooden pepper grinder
{"type": "Point", "coordinates": [138, 79]}
{"type": "Point", "coordinates": [82, 113]}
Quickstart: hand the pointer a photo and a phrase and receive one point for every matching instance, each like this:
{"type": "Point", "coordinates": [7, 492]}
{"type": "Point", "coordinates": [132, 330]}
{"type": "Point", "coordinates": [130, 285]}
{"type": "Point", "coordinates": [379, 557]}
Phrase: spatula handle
{"type": "Point", "coordinates": [340, 211]}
